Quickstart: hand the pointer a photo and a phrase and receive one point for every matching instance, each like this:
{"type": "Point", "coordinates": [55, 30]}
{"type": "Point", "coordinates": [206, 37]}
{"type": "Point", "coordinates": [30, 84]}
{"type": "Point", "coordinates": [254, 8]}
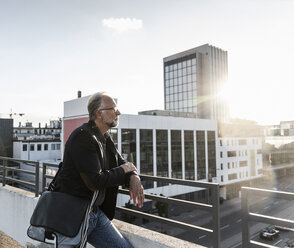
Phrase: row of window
{"type": "Point", "coordinates": [181, 80]}
{"type": "Point", "coordinates": [40, 147]}
{"type": "Point", "coordinates": [240, 153]}
{"type": "Point", "coordinates": [235, 164]}
{"type": "Point", "coordinates": [235, 142]}
{"type": "Point", "coordinates": [180, 65]}
{"type": "Point", "coordinates": [181, 72]}
{"type": "Point", "coordinates": [185, 89]}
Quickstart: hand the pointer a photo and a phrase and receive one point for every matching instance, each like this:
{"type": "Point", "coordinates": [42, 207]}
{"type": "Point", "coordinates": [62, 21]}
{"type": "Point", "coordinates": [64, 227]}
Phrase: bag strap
{"type": "Point", "coordinates": [52, 186]}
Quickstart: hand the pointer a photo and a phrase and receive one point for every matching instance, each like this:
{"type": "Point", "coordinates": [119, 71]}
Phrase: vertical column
{"type": "Point", "coordinates": [154, 156]}
{"type": "Point", "coordinates": [138, 150]}
{"type": "Point", "coordinates": [245, 218]}
{"type": "Point", "coordinates": [195, 154]}
{"type": "Point", "coordinates": [183, 154]}
{"type": "Point", "coordinates": [169, 153]}
{"type": "Point", "coordinates": [206, 154]}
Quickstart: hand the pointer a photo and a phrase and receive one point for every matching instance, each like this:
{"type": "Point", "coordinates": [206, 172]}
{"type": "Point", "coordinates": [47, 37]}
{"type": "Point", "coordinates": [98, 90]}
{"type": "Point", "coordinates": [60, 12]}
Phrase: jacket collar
{"type": "Point", "coordinates": [96, 131]}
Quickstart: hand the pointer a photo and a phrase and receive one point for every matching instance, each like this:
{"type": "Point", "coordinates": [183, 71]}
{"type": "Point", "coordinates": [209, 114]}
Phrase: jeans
{"type": "Point", "coordinates": [102, 233]}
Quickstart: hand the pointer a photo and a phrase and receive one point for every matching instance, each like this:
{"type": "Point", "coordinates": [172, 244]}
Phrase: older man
{"type": "Point", "coordinates": [91, 162]}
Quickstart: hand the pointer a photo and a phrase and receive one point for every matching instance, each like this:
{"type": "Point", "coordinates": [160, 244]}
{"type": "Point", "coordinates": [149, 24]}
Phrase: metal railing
{"type": "Point", "coordinates": [248, 216]}
{"type": "Point", "coordinates": [6, 168]}
{"type": "Point", "coordinates": [212, 208]}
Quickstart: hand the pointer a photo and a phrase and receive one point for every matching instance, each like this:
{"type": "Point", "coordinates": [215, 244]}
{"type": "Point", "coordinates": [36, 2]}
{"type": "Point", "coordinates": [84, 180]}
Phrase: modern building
{"type": "Point", "coordinates": [184, 147]}
{"type": "Point", "coordinates": [194, 80]}
{"type": "Point", "coordinates": [6, 130]}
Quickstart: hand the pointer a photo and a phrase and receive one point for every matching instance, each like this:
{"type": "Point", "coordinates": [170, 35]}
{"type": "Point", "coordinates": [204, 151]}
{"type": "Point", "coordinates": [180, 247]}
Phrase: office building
{"type": "Point", "coordinates": [194, 80]}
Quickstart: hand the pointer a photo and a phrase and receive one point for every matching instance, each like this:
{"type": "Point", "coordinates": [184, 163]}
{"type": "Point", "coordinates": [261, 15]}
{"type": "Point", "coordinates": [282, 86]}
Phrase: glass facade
{"type": "Point", "coordinates": [211, 154]}
{"type": "Point", "coordinates": [189, 155]}
{"type": "Point", "coordinates": [146, 155]}
{"type": "Point", "coordinates": [128, 145]}
{"type": "Point", "coordinates": [145, 149]}
{"type": "Point", "coordinates": [180, 82]}
{"type": "Point", "coordinates": [201, 168]}
{"type": "Point", "coordinates": [176, 154]}
{"type": "Point", "coordinates": [162, 153]}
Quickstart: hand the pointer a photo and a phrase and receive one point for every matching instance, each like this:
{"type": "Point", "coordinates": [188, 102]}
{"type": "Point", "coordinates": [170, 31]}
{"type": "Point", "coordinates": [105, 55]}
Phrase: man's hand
{"type": "Point", "coordinates": [136, 191]}
{"type": "Point", "coordinates": [128, 167]}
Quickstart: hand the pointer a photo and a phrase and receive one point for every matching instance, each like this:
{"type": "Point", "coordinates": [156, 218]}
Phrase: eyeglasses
{"type": "Point", "coordinates": [114, 109]}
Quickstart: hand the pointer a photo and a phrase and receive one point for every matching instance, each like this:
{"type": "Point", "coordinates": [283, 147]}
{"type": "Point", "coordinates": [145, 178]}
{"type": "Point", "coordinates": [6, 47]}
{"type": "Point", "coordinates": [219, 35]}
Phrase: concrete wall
{"type": "Point", "coordinates": [17, 206]}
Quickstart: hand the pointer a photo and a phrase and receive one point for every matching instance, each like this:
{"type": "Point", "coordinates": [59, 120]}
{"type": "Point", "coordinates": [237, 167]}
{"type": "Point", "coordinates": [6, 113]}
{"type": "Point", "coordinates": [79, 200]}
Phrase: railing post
{"type": "Point", "coordinates": [44, 177]}
{"type": "Point", "coordinates": [37, 179]}
{"type": "Point", "coordinates": [215, 216]}
{"type": "Point", "coordinates": [4, 172]}
{"type": "Point", "coordinates": [245, 219]}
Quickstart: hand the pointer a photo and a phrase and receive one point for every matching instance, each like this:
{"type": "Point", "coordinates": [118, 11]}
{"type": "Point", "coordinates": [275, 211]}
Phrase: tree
{"type": "Point", "coordinates": [127, 217]}
{"type": "Point", "coordinates": [162, 208]}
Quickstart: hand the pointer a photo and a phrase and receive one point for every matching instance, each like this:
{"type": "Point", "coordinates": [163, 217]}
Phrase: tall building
{"type": "Point", "coordinates": [6, 127]}
{"type": "Point", "coordinates": [194, 80]}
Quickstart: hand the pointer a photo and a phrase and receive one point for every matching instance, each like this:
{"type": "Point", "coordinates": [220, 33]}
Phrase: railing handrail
{"type": "Point", "coordinates": [6, 168]}
{"type": "Point", "coordinates": [19, 160]}
{"type": "Point", "coordinates": [213, 208]}
{"type": "Point", "coordinates": [181, 181]}
{"type": "Point", "coordinates": [248, 216]}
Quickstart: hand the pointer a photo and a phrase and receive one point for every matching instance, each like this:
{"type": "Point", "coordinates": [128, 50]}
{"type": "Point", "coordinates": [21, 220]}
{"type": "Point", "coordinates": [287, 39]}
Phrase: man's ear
{"type": "Point", "coordinates": [98, 114]}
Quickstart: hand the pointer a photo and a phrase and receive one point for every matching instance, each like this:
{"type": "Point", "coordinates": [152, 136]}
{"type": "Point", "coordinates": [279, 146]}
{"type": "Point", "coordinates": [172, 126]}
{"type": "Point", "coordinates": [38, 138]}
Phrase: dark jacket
{"type": "Point", "coordinates": [84, 156]}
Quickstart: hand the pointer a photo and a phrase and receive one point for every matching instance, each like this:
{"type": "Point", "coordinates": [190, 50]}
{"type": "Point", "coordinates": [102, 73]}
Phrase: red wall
{"type": "Point", "coordinates": [70, 125]}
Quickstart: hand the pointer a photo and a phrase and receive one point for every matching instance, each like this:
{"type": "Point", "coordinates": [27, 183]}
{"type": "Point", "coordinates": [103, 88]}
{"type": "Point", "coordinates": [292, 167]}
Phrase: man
{"type": "Point", "coordinates": [91, 162]}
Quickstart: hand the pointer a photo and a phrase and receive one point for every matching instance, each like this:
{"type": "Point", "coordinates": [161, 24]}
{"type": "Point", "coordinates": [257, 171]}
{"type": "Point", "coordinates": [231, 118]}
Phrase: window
{"type": "Point", "coordinates": [232, 154]}
{"type": "Point", "coordinates": [52, 147]}
{"type": "Point", "coordinates": [129, 144]}
{"type": "Point", "coordinates": [45, 147]}
{"type": "Point", "coordinates": [221, 154]}
{"type": "Point", "coordinates": [189, 155]}
{"type": "Point", "coordinates": [222, 178]}
{"type": "Point", "coordinates": [229, 167]}
{"type": "Point", "coordinates": [242, 142]}
{"type": "Point", "coordinates": [32, 147]}
{"type": "Point", "coordinates": [57, 146]}
{"type": "Point", "coordinates": [232, 176]}
{"type": "Point", "coordinates": [146, 155]}
{"type": "Point", "coordinates": [161, 154]}
{"type": "Point", "coordinates": [243, 163]}
{"type": "Point", "coordinates": [176, 152]}
{"type": "Point", "coordinates": [201, 168]}
{"type": "Point", "coordinates": [24, 147]}
{"type": "Point", "coordinates": [211, 154]}
{"type": "Point", "coordinates": [222, 167]}
{"type": "Point", "coordinates": [39, 147]}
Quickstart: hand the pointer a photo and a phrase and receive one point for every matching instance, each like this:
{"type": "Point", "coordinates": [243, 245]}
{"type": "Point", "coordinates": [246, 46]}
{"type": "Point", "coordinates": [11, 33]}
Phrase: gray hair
{"type": "Point", "coordinates": [94, 103]}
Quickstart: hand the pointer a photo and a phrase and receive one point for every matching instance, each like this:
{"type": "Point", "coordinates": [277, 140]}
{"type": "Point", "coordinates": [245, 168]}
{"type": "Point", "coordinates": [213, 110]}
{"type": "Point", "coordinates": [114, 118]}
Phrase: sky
{"type": "Point", "coordinates": [50, 49]}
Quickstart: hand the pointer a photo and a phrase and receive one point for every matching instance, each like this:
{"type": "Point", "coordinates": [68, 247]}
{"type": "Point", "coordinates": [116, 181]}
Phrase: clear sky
{"type": "Point", "coordinates": [50, 49]}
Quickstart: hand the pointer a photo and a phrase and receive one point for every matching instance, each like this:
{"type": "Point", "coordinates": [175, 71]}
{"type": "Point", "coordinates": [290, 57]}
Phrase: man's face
{"type": "Point", "coordinates": [109, 112]}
